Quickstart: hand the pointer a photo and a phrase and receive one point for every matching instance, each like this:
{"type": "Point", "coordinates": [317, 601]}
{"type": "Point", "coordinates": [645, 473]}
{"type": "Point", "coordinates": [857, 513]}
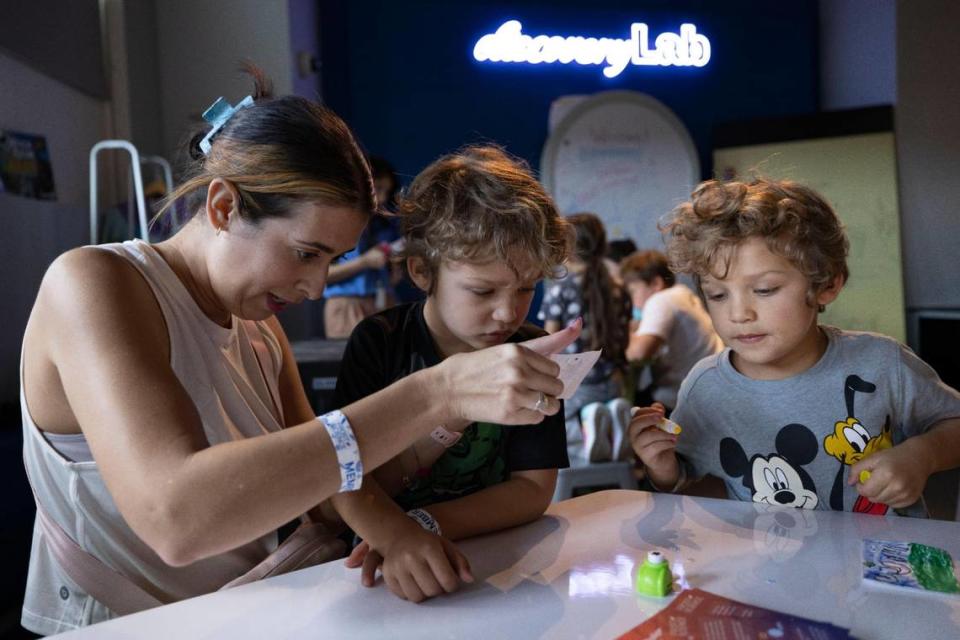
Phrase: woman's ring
{"type": "Point", "coordinates": [541, 403]}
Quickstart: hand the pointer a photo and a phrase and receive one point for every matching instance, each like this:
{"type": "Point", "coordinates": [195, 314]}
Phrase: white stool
{"type": "Point", "coordinates": [582, 474]}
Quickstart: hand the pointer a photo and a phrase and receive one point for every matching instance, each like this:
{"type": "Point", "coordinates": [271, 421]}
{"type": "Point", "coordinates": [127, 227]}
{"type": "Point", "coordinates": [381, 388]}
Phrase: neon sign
{"type": "Point", "coordinates": [509, 44]}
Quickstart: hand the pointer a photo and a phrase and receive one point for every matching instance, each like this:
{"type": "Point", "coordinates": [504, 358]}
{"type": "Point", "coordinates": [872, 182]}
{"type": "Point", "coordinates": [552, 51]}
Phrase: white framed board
{"type": "Point", "coordinates": [624, 156]}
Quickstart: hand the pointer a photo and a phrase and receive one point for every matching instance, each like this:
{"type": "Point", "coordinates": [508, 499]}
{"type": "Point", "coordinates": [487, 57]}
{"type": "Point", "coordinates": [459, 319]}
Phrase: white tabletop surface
{"type": "Point", "coordinates": [570, 575]}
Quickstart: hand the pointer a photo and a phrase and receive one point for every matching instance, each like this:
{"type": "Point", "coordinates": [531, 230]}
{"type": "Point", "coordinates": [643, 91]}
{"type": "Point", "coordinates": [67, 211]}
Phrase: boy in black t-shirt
{"type": "Point", "coordinates": [479, 233]}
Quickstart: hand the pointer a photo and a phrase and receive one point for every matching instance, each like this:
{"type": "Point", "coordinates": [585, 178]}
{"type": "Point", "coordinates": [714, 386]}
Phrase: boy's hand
{"type": "Point", "coordinates": [655, 448]}
{"type": "Point", "coordinates": [416, 565]}
{"type": "Point", "coordinates": [897, 476]}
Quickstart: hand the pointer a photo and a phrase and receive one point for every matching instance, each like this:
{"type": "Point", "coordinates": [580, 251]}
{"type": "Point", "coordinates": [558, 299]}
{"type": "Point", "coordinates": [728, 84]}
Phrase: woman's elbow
{"type": "Point", "coordinates": [170, 534]}
{"type": "Point", "coordinates": [175, 555]}
{"type": "Point", "coordinates": [176, 549]}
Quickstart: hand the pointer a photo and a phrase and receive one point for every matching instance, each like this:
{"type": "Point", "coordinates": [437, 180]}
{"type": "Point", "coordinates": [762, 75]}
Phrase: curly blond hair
{"type": "Point", "coordinates": [796, 222]}
{"type": "Point", "coordinates": [481, 204]}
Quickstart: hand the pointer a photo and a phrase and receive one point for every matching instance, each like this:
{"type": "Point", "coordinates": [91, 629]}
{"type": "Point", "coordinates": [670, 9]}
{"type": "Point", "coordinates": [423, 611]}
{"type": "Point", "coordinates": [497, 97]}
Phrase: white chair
{"type": "Point", "coordinates": [582, 474]}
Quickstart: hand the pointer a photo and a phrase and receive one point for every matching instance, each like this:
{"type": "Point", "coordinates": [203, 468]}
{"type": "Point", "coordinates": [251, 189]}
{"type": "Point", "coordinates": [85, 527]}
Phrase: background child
{"type": "Point", "coordinates": [597, 416]}
{"type": "Point", "coordinates": [673, 325]}
{"type": "Point", "coordinates": [361, 283]}
{"type": "Point", "coordinates": [792, 412]}
{"type": "Point", "coordinates": [617, 250]}
{"type": "Point", "coordinates": [480, 232]}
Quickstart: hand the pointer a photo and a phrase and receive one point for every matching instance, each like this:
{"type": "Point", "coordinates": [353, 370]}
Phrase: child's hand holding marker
{"type": "Point", "coordinates": [654, 440]}
{"type": "Point", "coordinates": [890, 475]}
{"type": "Point", "coordinates": [666, 425]}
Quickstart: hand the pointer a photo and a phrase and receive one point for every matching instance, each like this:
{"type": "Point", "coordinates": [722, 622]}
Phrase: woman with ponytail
{"type": "Point", "coordinates": [167, 435]}
{"type": "Point", "coordinates": [596, 414]}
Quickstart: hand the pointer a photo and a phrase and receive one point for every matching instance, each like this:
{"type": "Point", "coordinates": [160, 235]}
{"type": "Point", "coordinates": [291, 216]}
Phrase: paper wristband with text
{"type": "Point", "coordinates": [345, 445]}
{"type": "Point", "coordinates": [445, 437]}
{"type": "Point", "coordinates": [425, 520]}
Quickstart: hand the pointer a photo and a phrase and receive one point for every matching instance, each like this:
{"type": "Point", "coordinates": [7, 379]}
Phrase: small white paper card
{"type": "Point", "coordinates": [574, 367]}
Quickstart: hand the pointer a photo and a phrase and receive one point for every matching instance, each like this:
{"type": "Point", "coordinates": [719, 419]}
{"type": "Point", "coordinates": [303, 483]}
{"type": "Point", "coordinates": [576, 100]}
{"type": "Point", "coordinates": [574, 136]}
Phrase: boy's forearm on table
{"type": "Point", "coordinates": [514, 502]}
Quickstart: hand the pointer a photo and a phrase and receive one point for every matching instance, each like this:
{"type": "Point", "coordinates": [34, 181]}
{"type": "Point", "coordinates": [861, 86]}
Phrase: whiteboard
{"type": "Point", "coordinates": [624, 156]}
{"type": "Point", "coordinates": [858, 176]}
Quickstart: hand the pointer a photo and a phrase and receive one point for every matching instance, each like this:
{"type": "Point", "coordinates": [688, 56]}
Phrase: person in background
{"type": "Point", "coordinates": [674, 331]}
{"type": "Point", "coordinates": [617, 250]}
{"type": "Point", "coordinates": [793, 412]}
{"type": "Point", "coordinates": [480, 232]}
{"type": "Point", "coordinates": [388, 188]}
{"type": "Point", "coordinates": [597, 415]}
{"type": "Point", "coordinates": [361, 283]}
{"type": "Point", "coordinates": [166, 432]}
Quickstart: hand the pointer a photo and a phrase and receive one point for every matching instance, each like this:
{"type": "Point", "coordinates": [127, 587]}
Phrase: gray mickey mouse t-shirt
{"type": "Point", "coordinates": [791, 442]}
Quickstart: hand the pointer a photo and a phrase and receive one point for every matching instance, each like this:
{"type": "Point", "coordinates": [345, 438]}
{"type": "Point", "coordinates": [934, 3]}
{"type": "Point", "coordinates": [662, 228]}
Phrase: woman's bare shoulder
{"type": "Point", "coordinates": [88, 274]}
{"type": "Point", "coordinates": [87, 265]}
{"type": "Point", "coordinates": [92, 290]}
{"type": "Point", "coordinates": [91, 302]}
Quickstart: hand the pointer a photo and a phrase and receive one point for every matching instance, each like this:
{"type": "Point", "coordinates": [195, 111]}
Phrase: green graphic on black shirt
{"type": "Point", "coordinates": [475, 462]}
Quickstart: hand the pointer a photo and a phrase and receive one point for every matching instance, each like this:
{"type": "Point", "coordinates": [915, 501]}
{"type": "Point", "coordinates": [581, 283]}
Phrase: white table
{"type": "Point", "coordinates": [569, 575]}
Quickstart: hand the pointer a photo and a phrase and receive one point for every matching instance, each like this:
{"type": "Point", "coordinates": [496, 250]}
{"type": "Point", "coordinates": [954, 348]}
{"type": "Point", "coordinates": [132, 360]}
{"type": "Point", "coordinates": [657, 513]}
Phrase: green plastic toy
{"type": "Point", "coordinates": [654, 577]}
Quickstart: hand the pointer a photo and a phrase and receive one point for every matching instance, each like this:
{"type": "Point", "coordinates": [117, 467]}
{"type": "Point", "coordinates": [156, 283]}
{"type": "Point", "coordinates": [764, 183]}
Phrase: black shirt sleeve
{"type": "Point", "coordinates": [363, 367]}
{"type": "Point", "coordinates": [536, 446]}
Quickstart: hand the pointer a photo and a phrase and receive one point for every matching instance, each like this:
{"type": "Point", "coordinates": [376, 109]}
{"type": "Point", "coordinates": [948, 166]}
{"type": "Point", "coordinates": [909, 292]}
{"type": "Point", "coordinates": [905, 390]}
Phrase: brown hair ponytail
{"type": "Point", "coordinates": [601, 295]}
{"type": "Point", "coordinates": [280, 151]}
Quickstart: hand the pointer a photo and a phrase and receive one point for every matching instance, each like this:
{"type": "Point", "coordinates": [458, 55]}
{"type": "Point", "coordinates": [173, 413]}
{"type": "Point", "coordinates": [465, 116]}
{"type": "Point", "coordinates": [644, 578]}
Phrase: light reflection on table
{"type": "Point", "coordinates": [570, 575]}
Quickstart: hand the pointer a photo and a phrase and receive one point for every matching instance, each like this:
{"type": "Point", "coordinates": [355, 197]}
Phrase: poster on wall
{"type": "Point", "coordinates": [854, 166]}
{"type": "Point", "coordinates": [25, 165]}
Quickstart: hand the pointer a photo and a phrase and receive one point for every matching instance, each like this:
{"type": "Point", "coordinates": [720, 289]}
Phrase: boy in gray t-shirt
{"type": "Point", "coordinates": [791, 412]}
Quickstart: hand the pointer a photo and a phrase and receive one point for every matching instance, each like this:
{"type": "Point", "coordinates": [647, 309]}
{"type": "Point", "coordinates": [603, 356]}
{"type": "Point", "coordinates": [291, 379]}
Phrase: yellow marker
{"type": "Point", "coordinates": [669, 426]}
{"type": "Point", "coordinates": [864, 476]}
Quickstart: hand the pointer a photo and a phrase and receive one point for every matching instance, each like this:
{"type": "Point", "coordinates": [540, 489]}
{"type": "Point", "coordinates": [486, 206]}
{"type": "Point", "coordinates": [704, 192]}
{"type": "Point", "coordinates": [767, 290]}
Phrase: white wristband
{"type": "Point", "coordinates": [345, 445]}
{"type": "Point", "coordinates": [445, 437]}
{"type": "Point", "coordinates": [425, 520]}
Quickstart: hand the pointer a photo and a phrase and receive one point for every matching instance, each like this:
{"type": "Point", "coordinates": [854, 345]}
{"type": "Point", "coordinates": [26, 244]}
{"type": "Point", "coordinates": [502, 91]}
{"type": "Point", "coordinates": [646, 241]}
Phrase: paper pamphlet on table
{"type": "Point", "coordinates": [574, 367]}
{"type": "Point", "coordinates": [695, 613]}
{"type": "Point", "coordinates": [910, 565]}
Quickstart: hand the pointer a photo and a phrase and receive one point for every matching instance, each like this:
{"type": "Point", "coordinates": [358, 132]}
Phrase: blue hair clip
{"type": "Point", "coordinates": [217, 115]}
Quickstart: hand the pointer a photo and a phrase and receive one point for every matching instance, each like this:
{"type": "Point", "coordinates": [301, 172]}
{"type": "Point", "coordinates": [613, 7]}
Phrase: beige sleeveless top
{"type": "Point", "coordinates": [219, 369]}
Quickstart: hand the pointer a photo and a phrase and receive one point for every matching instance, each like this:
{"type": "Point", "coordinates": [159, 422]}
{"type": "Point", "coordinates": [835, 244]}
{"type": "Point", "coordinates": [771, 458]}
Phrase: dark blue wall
{"type": "Point", "coordinates": [403, 75]}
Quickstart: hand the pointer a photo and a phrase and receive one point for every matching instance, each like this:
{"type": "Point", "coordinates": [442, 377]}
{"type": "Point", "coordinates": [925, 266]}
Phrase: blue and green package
{"type": "Point", "coordinates": [909, 564]}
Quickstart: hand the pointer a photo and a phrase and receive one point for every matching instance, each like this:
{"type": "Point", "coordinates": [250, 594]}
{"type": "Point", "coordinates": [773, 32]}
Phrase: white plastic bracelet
{"type": "Point", "coordinates": [445, 437]}
{"type": "Point", "coordinates": [345, 445]}
{"type": "Point", "coordinates": [425, 520]}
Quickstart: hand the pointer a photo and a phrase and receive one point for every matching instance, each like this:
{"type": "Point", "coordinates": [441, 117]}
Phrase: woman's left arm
{"type": "Point", "coordinates": [297, 410]}
{"type": "Point", "coordinates": [296, 405]}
